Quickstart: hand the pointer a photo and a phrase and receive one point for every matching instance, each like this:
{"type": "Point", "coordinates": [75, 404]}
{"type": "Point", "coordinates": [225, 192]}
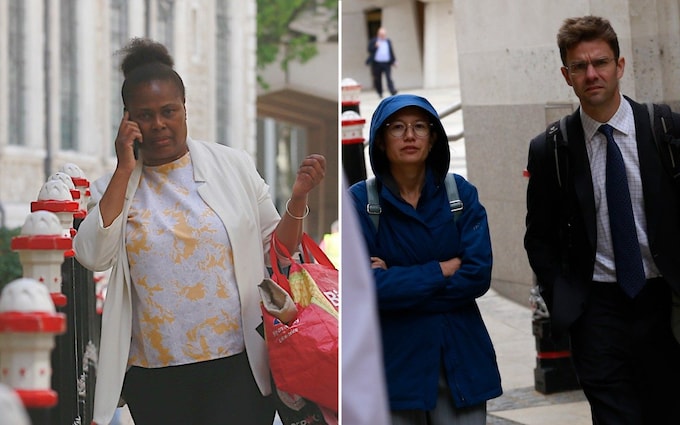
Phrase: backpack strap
{"type": "Point", "coordinates": [661, 118]}
{"type": "Point", "coordinates": [557, 131]}
{"type": "Point", "coordinates": [455, 203]}
{"type": "Point", "coordinates": [374, 209]}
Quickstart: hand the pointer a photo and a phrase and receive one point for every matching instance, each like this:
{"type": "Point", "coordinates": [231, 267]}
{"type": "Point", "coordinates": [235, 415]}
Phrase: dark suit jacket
{"type": "Point", "coordinates": [371, 51]}
{"type": "Point", "coordinates": [560, 236]}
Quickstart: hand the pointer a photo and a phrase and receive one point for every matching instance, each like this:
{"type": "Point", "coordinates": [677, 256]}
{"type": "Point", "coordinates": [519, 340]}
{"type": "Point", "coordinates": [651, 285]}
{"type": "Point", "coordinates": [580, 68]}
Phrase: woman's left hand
{"type": "Point", "coordinates": [309, 175]}
{"type": "Point", "coordinates": [378, 263]}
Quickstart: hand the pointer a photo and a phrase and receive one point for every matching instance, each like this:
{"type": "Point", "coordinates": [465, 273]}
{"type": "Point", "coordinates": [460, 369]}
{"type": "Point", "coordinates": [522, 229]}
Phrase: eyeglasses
{"type": "Point", "coordinates": [580, 68]}
{"type": "Point", "coordinates": [398, 129]}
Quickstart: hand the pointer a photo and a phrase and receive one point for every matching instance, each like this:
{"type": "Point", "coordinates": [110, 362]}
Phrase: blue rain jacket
{"type": "Point", "coordinates": [429, 322]}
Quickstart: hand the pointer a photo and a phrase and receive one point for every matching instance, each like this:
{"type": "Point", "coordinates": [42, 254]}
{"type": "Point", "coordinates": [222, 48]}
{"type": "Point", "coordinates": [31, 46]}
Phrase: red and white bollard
{"type": "Point", "coordinates": [55, 197]}
{"type": "Point", "coordinates": [353, 158]}
{"type": "Point", "coordinates": [81, 183]}
{"type": "Point", "coordinates": [28, 324]}
{"type": "Point", "coordinates": [352, 128]}
{"type": "Point", "coordinates": [350, 92]}
{"type": "Point", "coordinates": [68, 181]}
{"type": "Point", "coordinates": [41, 247]}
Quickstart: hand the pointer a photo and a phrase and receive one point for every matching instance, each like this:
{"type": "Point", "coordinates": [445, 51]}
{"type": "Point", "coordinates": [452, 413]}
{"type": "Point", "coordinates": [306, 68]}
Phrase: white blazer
{"type": "Point", "coordinates": [230, 184]}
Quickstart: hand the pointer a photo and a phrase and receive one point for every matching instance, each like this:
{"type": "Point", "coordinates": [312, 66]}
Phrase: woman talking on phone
{"type": "Point", "coordinates": [184, 226]}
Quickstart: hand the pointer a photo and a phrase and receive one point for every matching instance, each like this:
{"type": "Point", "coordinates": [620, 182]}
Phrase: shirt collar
{"type": "Point", "coordinates": [622, 121]}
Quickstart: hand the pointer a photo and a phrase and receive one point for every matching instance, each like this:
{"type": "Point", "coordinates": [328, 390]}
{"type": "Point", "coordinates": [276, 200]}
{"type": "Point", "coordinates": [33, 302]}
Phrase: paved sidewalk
{"type": "Point", "coordinates": [509, 325]}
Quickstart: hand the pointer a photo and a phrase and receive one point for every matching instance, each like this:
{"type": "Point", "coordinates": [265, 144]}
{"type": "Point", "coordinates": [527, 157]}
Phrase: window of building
{"type": "Point", "coordinates": [16, 106]}
{"type": "Point", "coordinates": [68, 87]}
{"type": "Point", "coordinates": [119, 38]}
{"type": "Point", "coordinates": [281, 148]}
{"type": "Point", "coordinates": [373, 21]}
{"type": "Point", "coordinates": [222, 83]}
{"type": "Point", "coordinates": [165, 18]}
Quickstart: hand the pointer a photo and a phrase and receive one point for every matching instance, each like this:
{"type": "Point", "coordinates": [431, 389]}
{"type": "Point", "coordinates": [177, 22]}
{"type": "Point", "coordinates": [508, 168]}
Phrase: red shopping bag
{"type": "Point", "coordinates": [303, 353]}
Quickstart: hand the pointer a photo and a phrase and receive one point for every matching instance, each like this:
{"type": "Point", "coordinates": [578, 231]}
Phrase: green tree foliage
{"type": "Point", "coordinates": [275, 39]}
{"type": "Point", "coordinates": [10, 266]}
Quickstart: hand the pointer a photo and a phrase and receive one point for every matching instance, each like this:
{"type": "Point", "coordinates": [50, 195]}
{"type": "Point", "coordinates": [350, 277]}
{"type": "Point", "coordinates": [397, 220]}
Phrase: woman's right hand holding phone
{"type": "Point", "coordinates": [128, 132]}
{"type": "Point", "coordinates": [111, 204]}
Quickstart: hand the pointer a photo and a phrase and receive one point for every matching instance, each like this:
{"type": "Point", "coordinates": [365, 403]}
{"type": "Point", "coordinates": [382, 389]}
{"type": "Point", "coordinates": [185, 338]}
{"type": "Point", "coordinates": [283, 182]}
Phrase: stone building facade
{"type": "Point", "coordinates": [60, 91]}
{"type": "Point", "coordinates": [503, 55]}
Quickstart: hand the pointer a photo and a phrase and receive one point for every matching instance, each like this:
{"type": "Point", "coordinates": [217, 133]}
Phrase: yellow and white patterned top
{"type": "Point", "coordinates": [185, 303]}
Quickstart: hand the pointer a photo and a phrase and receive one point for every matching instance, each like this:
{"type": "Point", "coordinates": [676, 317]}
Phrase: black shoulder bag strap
{"type": "Point", "coordinates": [668, 146]}
{"type": "Point", "coordinates": [556, 138]}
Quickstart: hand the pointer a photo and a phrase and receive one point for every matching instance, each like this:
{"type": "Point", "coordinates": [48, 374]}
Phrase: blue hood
{"type": "Point", "coordinates": [438, 160]}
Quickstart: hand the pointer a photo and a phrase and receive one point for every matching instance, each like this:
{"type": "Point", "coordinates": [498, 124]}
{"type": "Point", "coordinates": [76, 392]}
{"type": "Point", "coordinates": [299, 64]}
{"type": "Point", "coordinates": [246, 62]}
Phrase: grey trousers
{"type": "Point", "coordinates": [445, 413]}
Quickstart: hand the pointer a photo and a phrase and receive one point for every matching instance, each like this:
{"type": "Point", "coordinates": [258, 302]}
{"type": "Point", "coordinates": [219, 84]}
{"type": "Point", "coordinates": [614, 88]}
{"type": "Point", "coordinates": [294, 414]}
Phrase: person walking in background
{"type": "Point", "coordinates": [429, 268]}
{"type": "Point", "coordinates": [615, 303]}
{"type": "Point", "coordinates": [184, 226]}
{"type": "Point", "coordinates": [381, 59]}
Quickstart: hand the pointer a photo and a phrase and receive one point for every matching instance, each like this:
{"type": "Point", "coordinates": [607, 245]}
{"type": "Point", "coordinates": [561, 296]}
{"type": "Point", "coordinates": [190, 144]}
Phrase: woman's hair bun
{"type": "Point", "coordinates": [143, 51]}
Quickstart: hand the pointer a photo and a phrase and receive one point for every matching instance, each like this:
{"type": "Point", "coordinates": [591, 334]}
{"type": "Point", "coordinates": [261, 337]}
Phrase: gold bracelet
{"type": "Point", "coordinates": [295, 217]}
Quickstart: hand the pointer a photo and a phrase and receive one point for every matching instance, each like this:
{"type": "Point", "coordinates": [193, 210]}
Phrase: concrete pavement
{"type": "Point", "coordinates": [509, 325]}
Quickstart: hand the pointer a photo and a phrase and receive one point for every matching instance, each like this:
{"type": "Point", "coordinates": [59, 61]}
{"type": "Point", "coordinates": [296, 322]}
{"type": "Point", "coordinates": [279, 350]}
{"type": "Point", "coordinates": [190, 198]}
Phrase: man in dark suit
{"type": "Point", "coordinates": [381, 59]}
{"type": "Point", "coordinates": [624, 353]}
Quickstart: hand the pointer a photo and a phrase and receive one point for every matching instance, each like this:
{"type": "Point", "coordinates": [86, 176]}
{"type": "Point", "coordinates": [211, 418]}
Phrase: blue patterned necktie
{"type": "Point", "coordinates": [630, 272]}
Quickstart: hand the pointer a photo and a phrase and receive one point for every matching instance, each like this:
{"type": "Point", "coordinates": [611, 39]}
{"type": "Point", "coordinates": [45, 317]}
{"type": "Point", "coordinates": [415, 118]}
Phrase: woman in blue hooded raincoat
{"type": "Point", "coordinates": [429, 269]}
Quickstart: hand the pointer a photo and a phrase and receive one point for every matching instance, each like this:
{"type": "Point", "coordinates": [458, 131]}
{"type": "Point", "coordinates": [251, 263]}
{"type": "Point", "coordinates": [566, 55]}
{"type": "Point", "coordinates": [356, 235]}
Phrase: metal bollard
{"type": "Point", "coordinates": [28, 324]}
{"type": "Point", "coordinates": [81, 184]}
{"type": "Point", "coordinates": [350, 91]}
{"type": "Point", "coordinates": [554, 371]}
{"type": "Point", "coordinates": [76, 352]}
{"type": "Point", "coordinates": [41, 247]}
{"type": "Point", "coordinates": [55, 196]}
{"type": "Point", "coordinates": [76, 194]}
{"type": "Point", "coordinates": [353, 160]}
